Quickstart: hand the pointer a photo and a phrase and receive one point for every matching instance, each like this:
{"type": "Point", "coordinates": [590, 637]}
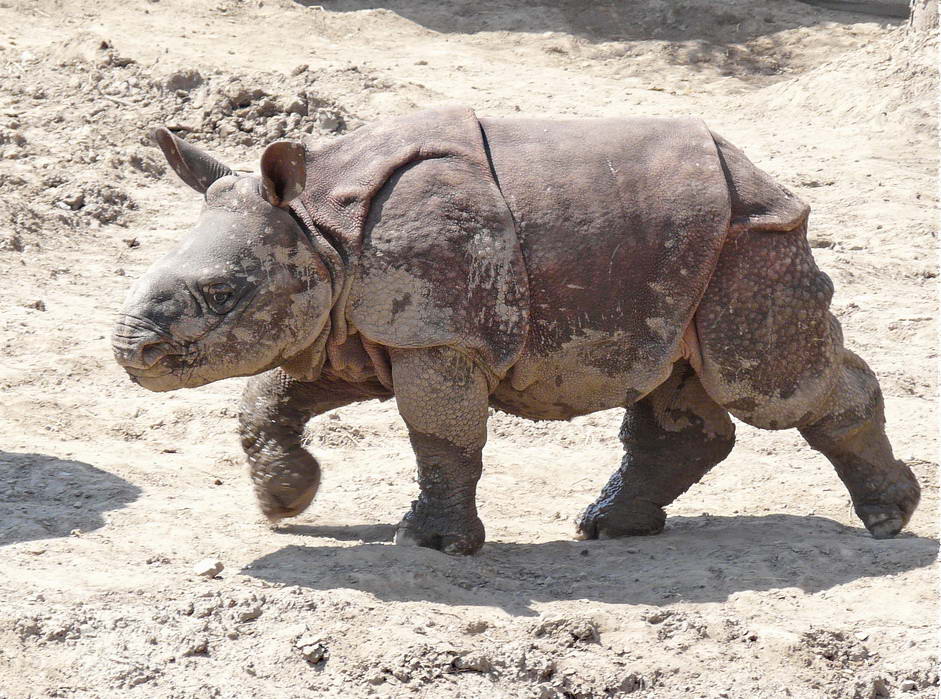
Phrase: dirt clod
{"type": "Point", "coordinates": [208, 567]}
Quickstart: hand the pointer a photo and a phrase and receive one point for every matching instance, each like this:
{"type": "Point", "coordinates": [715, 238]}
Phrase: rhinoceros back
{"type": "Point", "coordinates": [620, 222]}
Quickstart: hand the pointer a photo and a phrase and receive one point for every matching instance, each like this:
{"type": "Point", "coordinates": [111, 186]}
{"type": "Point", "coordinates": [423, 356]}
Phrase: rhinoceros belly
{"type": "Point", "coordinates": [583, 377]}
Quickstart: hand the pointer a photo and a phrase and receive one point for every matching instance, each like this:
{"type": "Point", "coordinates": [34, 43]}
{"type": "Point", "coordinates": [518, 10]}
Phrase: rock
{"type": "Point", "coordinates": [275, 128]}
{"type": "Point", "coordinates": [208, 568]}
{"type": "Point", "coordinates": [817, 241]}
{"type": "Point", "coordinates": [297, 105]}
{"type": "Point", "coordinates": [634, 683]}
{"type": "Point", "coordinates": [267, 107]}
{"type": "Point", "coordinates": [11, 242]}
{"type": "Point", "coordinates": [312, 649]}
{"type": "Point", "coordinates": [241, 96]}
{"type": "Point", "coordinates": [908, 686]}
{"type": "Point", "coordinates": [12, 136]}
{"type": "Point", "coordinates": [375, 678]}
{"type": "Point", "coordinates": [659, 616]}
{"type": "Point", "coordinates": [569, 630]}
{"type": "Point", "coordinates": [545, 691]}
{"type": "Point", "coordinates": [185, 79]}
{"type": "Point", "coordinates": [147, 164]}
{"type": "Point", "coordinates": [302, 68]}
{"type": "Point", "coordinates": [327, 121]}
{"type": "Point", "coordinates": [249, 614]}
{"type": "Point", "coordinates": [877, 689]}
{"type": "Point", "coordinates": [476, 626]}
{"type": "Point", "coordinates": [473, 662]}
{"type": "Point", "coordinates": [226, 129]}
{"type": "Point", "coordinates": [194, 646]}
{"type": "Point", "coordinates": [38, 305]}
{"type": "Point", "coordinates": [74, 200]}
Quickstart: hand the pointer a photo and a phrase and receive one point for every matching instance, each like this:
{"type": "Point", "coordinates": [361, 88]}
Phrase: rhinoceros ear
{"type": "Point", "coordinates": [283, 172]}
{"type": "Point", "coordinates": [194, 166]}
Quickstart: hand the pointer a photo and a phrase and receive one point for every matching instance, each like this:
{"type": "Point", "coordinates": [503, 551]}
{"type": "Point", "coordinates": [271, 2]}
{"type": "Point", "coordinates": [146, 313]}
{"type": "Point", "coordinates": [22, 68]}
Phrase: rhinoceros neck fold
{"type": "Point", "coordinates": [336, 259]}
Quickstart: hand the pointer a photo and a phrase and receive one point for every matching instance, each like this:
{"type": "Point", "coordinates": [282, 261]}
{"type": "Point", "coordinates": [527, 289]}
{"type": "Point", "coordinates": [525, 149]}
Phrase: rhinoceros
{"type": "Point", "coordinates": [545, 268]}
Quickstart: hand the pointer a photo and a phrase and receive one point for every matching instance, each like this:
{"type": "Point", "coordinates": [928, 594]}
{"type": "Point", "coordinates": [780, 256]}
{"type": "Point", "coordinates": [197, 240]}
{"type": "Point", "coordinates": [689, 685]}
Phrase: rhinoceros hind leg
{"type": "Point", "coordinates": [851, 434]}
{"type": "Point", "coordinates": [773, 356]}
{"type": "Point", "coordinates": [443, 398]}
{"type": "Point", "coordinates": [671, 438]}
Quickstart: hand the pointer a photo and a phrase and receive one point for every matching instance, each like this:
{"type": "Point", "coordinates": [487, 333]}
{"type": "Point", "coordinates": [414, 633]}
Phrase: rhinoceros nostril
{"type": "Point", "coordinates": [155, 352]}
{"type": "Point", "coordinates": [139, 352]}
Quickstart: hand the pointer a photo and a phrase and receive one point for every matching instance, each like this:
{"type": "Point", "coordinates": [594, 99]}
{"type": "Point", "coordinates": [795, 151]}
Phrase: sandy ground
{"type": "Point", "coordinates": [764, 584]}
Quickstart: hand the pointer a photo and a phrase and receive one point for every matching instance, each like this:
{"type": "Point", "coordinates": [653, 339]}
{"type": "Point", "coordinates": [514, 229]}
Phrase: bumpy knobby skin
{"type": "Point", "coordinates": [773, 356]}
{"type": "Point", "coordinates": [442, 397]}
{"type": "Point", "coordinates": [671, 438]}
{"type": "Point", "coordinates": [768, 343]}
{"type": "Point", "coordinates": [275, 408]}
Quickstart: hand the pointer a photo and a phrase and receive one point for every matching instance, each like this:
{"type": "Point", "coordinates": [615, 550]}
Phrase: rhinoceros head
{"type": "Point", "coordinates": [244, 292]}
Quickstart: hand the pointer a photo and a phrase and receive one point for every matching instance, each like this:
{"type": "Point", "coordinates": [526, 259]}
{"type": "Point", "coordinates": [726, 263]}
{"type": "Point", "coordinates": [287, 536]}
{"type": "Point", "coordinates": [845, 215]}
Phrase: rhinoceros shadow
{"type": "Point", "coordinates": [697, 559]}
{"type": "Point", "coordinates": [43, 497]}
{"type": "Point", "coordinates": [619, 21]}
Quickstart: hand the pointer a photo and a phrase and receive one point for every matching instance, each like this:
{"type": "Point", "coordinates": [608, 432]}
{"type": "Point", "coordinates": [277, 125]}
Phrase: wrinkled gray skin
{"type": "Point", "coordinates": [254, 290]}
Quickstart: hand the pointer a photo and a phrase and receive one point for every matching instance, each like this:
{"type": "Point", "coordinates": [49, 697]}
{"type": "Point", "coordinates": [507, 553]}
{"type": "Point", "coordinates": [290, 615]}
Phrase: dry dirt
{"type": "Point", "coordinates": [764, 583]}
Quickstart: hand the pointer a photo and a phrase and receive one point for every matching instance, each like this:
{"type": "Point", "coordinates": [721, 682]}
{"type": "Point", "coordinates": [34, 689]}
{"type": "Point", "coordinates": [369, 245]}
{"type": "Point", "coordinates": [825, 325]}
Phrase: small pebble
{"type": "Point", "coordinates": [249, 614]}
{"type": "Point", "coordinates": [209, 567]}
{"type": "Point", "coordinates": [908, 686]}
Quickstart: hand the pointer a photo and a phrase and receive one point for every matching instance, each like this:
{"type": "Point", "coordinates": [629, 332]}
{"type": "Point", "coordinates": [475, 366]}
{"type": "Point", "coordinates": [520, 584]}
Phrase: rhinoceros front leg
{"type": "Point", "coordinates": [275, 407]}
{"type": "Point", "coordinates": [442, 396]}
{"type": "Point", "coordinates": [671, 438]}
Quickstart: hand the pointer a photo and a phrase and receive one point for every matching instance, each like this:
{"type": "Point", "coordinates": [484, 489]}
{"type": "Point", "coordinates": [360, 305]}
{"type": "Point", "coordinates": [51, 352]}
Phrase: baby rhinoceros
{"type": "Point", "coordinates": [546, 268]}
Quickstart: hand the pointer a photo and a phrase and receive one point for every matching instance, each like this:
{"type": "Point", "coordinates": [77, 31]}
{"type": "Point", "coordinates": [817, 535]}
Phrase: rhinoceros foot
{"type": "Point", "coordinates": [886, 519]}
{"type": "Point", "coordinates": [453, 530]}
{"type": "Point", "coordinates": [611, 518]}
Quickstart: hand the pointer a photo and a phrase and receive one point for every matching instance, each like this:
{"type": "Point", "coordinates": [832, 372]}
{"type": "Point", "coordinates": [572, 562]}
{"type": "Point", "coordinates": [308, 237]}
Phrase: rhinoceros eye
{"type": "Point", "coordinates": [220, 297]}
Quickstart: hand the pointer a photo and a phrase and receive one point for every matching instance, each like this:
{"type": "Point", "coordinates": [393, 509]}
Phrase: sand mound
{"type": "Point", "coordinates": [892, 78]}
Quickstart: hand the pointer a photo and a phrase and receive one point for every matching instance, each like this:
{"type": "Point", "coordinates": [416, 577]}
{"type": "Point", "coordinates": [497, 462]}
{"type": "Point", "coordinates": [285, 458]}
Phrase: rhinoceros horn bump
{"type": "Point", "coordinates": [194, 165]}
